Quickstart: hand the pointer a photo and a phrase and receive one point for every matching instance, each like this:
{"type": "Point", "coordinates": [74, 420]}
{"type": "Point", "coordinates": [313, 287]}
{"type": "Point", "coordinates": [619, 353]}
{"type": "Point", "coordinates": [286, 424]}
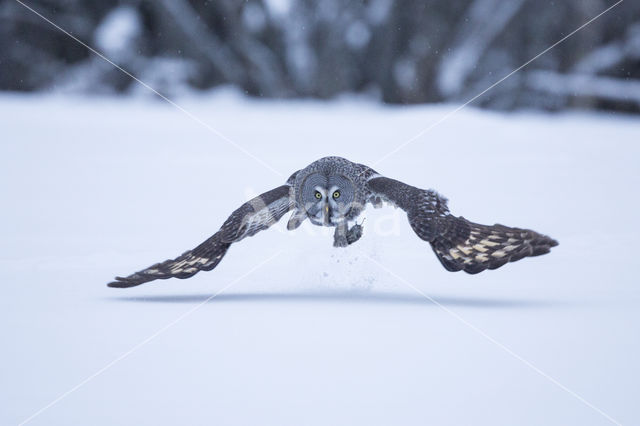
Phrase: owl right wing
{"type": "Point", "coordinates": [253, 216]}
{"type": "Point", "coordinates": [458, 243]}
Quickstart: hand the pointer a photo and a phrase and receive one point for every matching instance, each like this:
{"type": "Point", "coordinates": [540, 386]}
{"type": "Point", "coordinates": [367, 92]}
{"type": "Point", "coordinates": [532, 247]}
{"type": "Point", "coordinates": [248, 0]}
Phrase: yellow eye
{"type": "Point", "coordinates": [336, 194]}
{"type": "Point", "coordinates": [318, 195]}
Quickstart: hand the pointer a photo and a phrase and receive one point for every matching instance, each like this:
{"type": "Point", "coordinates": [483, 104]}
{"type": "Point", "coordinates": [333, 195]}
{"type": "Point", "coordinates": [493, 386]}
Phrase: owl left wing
{"type": "Point", "coordinates": [458, 243]}
{"type": "Point", "coordinates": [253, 216]}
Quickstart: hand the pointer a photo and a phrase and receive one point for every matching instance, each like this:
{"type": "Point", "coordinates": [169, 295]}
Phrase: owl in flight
{"type": "Point", "coordinates": [334, 191]}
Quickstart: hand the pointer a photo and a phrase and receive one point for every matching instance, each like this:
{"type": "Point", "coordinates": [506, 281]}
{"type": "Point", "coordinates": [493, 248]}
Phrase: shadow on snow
{"type": "Point", "coordinates": [340, 297]}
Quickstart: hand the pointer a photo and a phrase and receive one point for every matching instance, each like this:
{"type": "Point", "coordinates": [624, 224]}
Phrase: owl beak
{"type": "Point", "coordinates": [326, 214]}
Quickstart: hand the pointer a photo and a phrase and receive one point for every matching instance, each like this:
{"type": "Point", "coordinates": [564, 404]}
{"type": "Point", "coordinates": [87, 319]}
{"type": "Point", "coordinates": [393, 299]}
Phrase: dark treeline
{"type": "Point", "coordinates": [403, 51]}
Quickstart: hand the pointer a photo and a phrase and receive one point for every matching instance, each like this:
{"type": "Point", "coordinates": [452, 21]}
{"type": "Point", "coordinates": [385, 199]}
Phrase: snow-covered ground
{"type": "Point", "coordinates": [315, 335]}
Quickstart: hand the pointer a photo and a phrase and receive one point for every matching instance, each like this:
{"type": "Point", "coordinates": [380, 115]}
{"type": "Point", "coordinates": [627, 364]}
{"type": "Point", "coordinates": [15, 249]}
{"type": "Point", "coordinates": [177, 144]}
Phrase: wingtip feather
{"type": "Point", "coordinates": [122, 283]}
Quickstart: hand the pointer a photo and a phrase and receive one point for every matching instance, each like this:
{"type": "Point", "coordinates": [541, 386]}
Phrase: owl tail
{"type": "Point", "coordinates": [468, 246]}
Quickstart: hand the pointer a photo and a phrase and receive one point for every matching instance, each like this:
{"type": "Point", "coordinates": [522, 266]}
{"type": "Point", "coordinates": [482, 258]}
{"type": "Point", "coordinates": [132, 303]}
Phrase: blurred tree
{"type": "Point", "coordinates": [403, 51]}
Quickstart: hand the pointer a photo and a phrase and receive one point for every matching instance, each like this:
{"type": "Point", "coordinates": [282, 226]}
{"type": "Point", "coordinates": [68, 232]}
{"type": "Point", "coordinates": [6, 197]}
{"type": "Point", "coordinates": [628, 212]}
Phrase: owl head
{"type": "Point", "coordinates": [327, 198]}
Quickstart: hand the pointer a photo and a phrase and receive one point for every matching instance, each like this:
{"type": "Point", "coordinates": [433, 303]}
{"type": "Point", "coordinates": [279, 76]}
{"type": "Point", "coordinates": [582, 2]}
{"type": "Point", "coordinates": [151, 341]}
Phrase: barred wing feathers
{"type": "Point", "coordinates": [473, 247]}
{"type": "Point", "coordinates": [253, 216]}
{"type": "Point", "coordinates": [458, 243]}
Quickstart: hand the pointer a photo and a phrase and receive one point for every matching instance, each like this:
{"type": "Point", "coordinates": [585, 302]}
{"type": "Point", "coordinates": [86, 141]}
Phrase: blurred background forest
{"type": "Point", "coordinates": [398, 51]}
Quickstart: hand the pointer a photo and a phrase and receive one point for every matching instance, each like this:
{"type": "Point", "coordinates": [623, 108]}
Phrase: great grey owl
{"type": "Point", "coordinates": [333, 191]}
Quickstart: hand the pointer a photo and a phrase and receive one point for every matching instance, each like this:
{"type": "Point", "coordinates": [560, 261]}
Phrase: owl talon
{"type": "Point", "coordinates": [340, 241]}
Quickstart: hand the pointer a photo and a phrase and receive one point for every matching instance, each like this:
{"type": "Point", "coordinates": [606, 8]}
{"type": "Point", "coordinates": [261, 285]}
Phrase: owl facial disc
{"type": "Point", "coordinates": [327, 198]}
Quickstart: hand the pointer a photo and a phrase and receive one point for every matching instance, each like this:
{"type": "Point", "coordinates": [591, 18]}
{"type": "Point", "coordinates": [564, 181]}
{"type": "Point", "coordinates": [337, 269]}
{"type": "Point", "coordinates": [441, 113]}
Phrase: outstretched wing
{"type": "Point", "coordinates": [459, 243]}
{"type": "Point", "coordinates": [252, 217]}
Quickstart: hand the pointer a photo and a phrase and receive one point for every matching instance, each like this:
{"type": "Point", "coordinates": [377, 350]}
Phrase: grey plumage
{"type": "Point", "coordinates": [458, 243]}
{"type": "Point", "coordinates": [334, 191]}
{"type": "Point", "coordinates": [252, 217]}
